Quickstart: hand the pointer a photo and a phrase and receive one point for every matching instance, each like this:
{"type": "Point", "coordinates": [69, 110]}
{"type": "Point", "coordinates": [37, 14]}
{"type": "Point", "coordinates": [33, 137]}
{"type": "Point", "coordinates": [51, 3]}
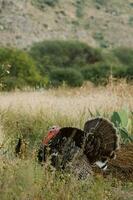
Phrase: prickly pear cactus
{"type": "Point", "coordinates": [123, 122]}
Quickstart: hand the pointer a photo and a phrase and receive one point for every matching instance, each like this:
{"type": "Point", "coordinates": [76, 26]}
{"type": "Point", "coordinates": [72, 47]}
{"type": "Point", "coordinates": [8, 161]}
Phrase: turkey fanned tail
{"type": "Point", "coordinates": [101, 141]}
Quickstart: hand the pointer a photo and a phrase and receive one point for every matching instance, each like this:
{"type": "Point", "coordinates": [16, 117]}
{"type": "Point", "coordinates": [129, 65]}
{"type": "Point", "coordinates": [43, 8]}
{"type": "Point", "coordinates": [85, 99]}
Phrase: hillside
{"type": "Point", "coordinates": [99, 23]}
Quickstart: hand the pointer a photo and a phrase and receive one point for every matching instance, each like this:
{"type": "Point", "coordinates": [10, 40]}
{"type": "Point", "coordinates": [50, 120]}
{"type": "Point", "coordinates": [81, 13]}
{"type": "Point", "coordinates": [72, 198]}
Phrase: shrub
{"type": "Point", "coordinates": [41, 3]}
{"type": "Point", "coordinates": [4, 71]}
{"type": "Point", "coordinates": [125, 57]}
{"type": "Point", "coordinates": [80, 8]}
{"type": "Point", "coordinates": [119, 71]}
{"type": "Point", "coordinates": [57, 58]}
{"type": "Point", "coordinates": [11, 83]}
{"type": "Point", "coordinates": [104, 44]}
{"type": "Point", "coordinates": [130, 21]}
{"type": "Point", "coordinates": [70, 76]}
{"type": "Point", "coordinates": [98, 73]}
{"type": "Point", "coordinates": [63, 54]}
{"type": "Point", "coordinates": [98, 36]}
{"type": "Point", "coordinates": [22, 69]}
{"type": "Point", "coordinates": [101, 2]}
{"type": "Point", "coordinates": [131, 4]}
{"type": "Point", "coordinates": [130, 73]}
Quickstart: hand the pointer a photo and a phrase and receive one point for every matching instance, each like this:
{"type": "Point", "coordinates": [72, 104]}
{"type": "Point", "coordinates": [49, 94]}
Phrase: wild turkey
{"type": "Point", "coordinates": [66, 150]}
{"type": "Point", "coordinates": [77, 150]}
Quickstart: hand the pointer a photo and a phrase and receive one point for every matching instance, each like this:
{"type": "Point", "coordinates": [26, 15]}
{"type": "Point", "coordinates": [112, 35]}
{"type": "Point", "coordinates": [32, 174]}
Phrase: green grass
{"type": "Point", "coordinates": [25, 179]}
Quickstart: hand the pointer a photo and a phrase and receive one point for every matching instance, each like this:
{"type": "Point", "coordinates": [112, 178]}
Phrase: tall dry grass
{"type": "Point", "coordinates": [70, 101]}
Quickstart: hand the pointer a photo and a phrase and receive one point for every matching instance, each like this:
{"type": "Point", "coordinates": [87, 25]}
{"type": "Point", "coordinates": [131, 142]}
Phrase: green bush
{"type": "Point", "coordinates": [23, 71]}
{"type": "Point", "coordinates": [119, 71]}
{"type": "Point", "coordinates": [55, 62]}
{"type": "Point", "coordinates": [61, 59]}
{"type": "Point", "coordinates": [101, 2]}
{"type": "Point", "coordinates": [125, 57]}
{"type": "Point", "coordinates": [92, 63]}
{"type": "Point", "coordinates": [70, 76]}
{"type": "Point", "coordinates": [4, 71]}
{"type": "Point", "coordinates": [130, 73]}
{"type": "Point", "coordinates": [80, 8]}
{"type": "Point", "coordinates": [42, 3]}
{"type": "Point", "coordinates": [98, 36]}
{"type": "Point", "coordinates": [63, 54]}
{"type": "Point", "coordinates": [130, 21]}
{"type": "Point", "coordinates": [98, 73]}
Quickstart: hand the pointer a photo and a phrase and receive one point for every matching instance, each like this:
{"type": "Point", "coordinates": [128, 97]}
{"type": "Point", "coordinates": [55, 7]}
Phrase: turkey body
{"type": "Point", "coordinates": [67, 152]}
{"type": "Point", "coordinates": [77, 150]}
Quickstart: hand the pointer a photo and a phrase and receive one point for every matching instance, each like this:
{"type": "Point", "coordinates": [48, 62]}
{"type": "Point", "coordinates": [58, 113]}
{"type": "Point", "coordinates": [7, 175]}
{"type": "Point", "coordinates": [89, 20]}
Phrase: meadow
{"type": "Point", "coordinates": [29, 114]}
{"type": "Point", "coordinates": [62, 63]}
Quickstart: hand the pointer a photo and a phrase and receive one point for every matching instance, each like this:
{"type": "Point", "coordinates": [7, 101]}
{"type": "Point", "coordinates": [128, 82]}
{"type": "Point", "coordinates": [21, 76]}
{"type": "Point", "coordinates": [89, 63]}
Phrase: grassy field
{"type": "Point", "coordinates": [30, 114]}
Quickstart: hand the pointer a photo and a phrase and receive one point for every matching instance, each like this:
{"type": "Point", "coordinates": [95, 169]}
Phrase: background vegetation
{"type": "Point", "coordinates": [41, 4]}
{"type": "Point", "coordinates": [22, 71]}
{"type": "Point", "coordinates": [53, 63]}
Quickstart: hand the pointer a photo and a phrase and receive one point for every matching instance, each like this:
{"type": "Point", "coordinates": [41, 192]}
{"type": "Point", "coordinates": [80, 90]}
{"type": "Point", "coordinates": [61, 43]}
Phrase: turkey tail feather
{"type": "Point", "coordinates": [105, 139]}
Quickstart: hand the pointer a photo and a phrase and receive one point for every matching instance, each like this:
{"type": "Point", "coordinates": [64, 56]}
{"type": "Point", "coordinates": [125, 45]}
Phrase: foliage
{"type": "Point", "coordinates": [48, 61]}
{"type": "Point", "coordinates": [94, 65]}
{"type": "Point", "coordinates": [101, 2]}
{"type": "Point", "coordinates": [97, 73]}
{"type": "Point", "coordinates": [22, 71]}
{"type": "Point", "coordinates": [80, 8]}
{"type": "Point", "coordinates": [42, 3]}
{"type": "Point", "coordinates": [52, 55]}
{"type": "Point", "coordinates": [125, 56]}
{"type": "Point", "coordinates": [4, 71]}
{"type": "Point", "coordinates": [70, 76]}
{"type": "Point", "coordinates": [104, 44]}
{"type": "Point", "coordinates": [98, 36]}
{"type": "Point", "coordinates": [122, 122]}
{"type": "Point", "coordinates": [64, 54]}
{"type": "Point", "coordinates": [130, 21]}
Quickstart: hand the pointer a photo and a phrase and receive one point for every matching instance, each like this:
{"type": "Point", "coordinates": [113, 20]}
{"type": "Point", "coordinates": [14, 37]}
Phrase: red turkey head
{"type": "Point", "coordinates": [51, 134]}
